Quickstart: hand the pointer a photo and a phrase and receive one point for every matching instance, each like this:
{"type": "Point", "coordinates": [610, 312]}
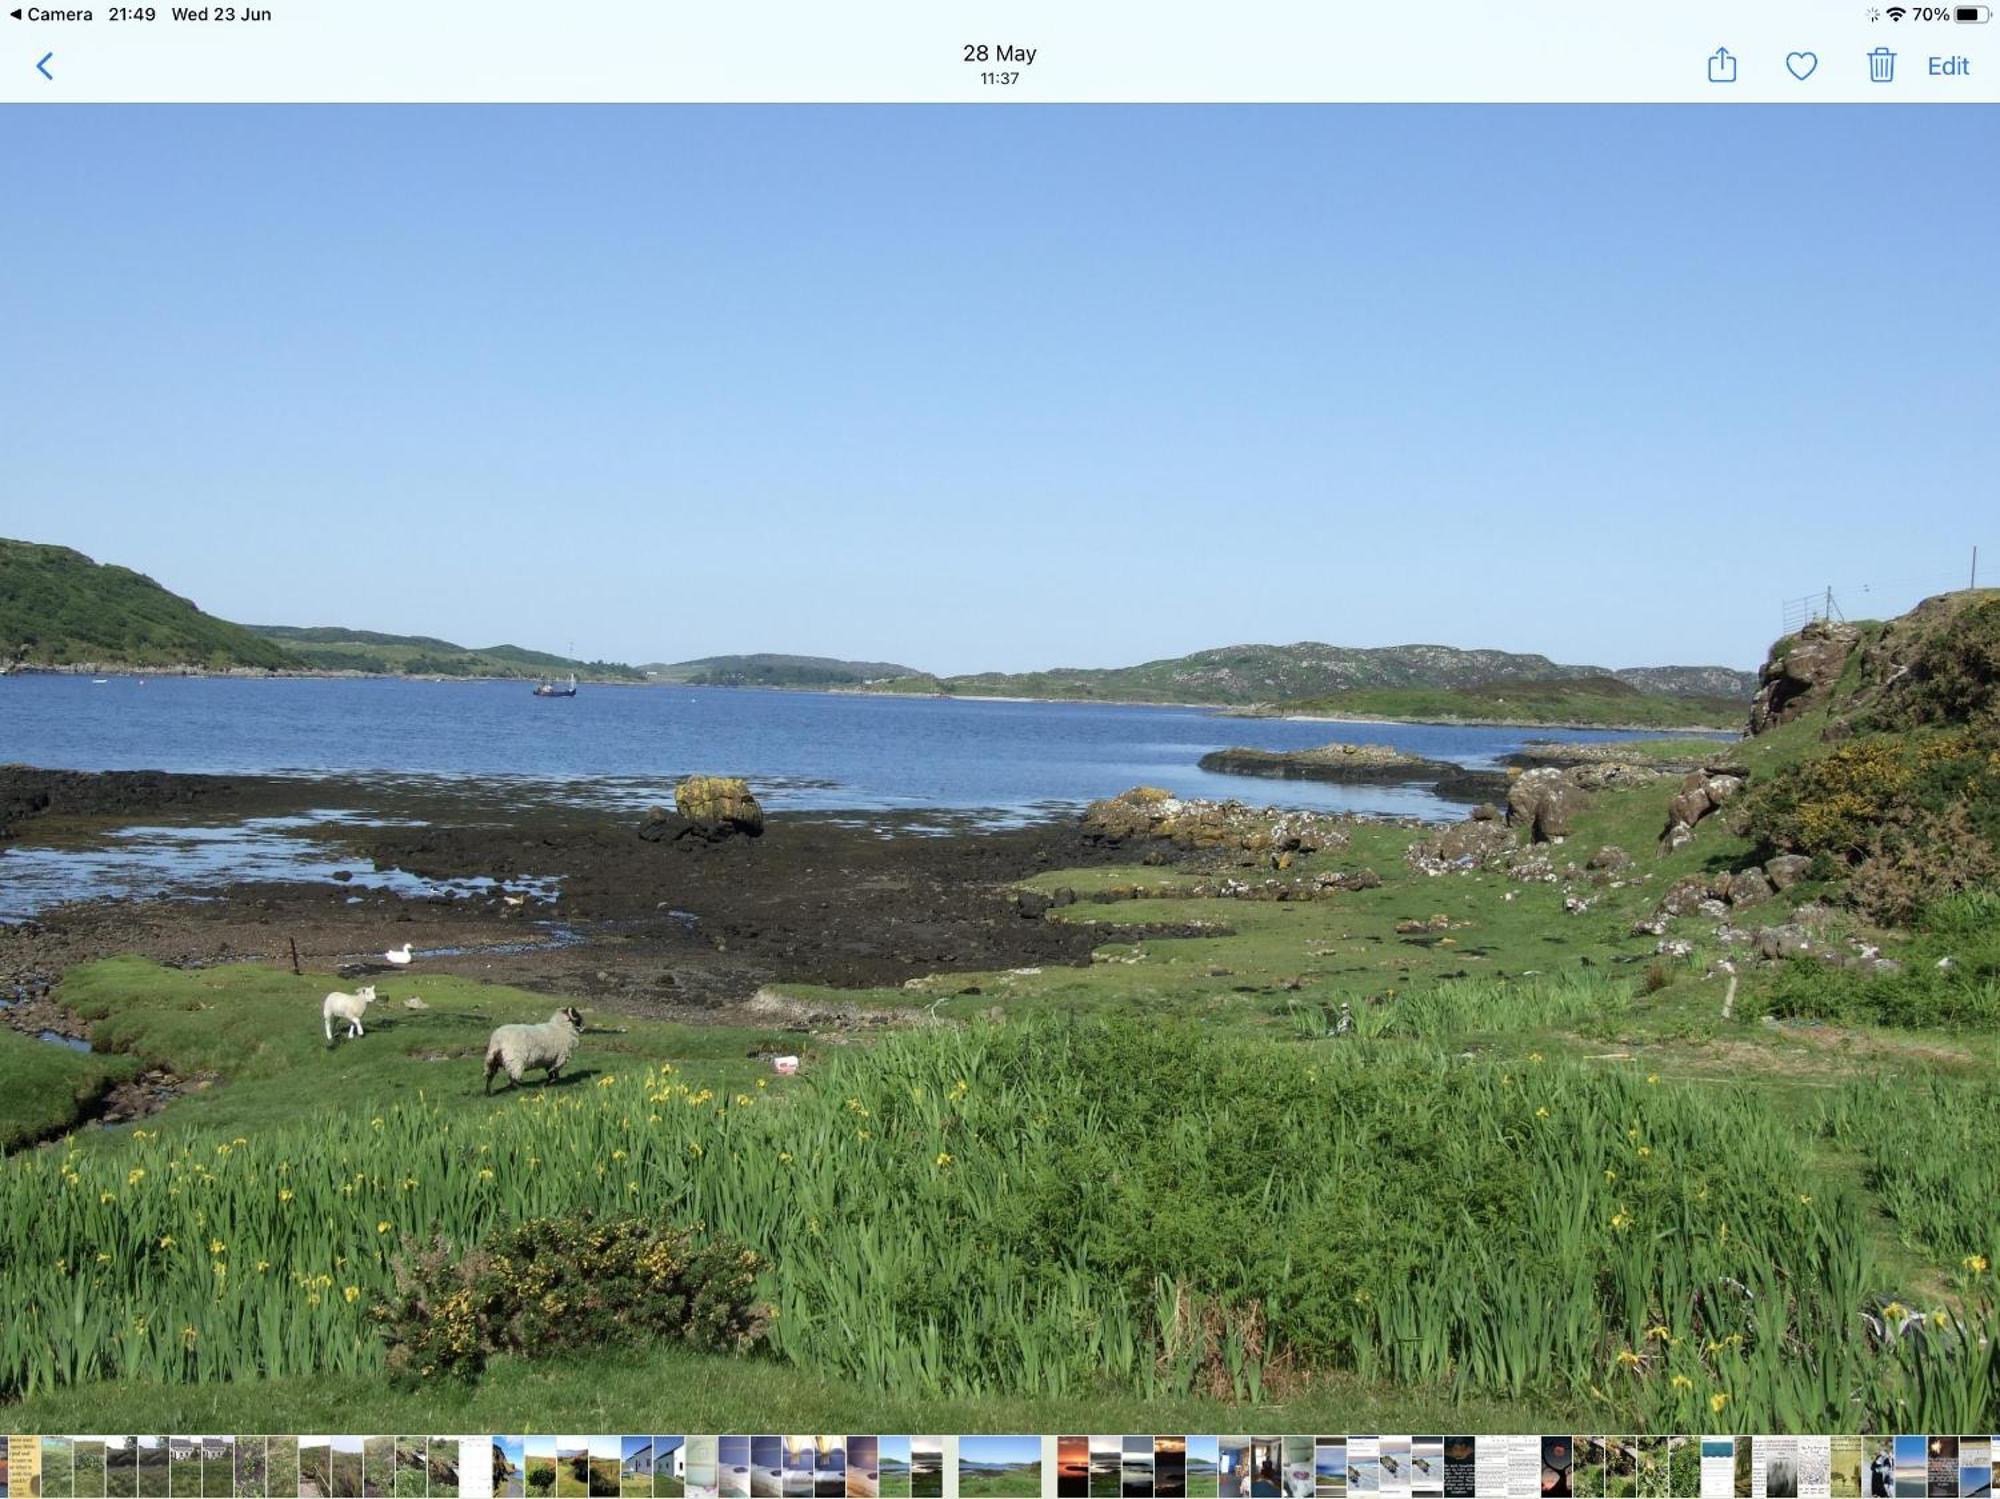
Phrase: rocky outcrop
{"type": "Point", "coordinates": [1702, 792]}
{"type": "Point", "coordinates": [1801, 673]}
{"type": "Point", "coordinates": [1358, 764]}
{"type": "Point", "coordinates": [707, 807]}
{"type": "Point", "coordinates": [1543, 802]}
{"type": "Point", "coordinates": [1146, 813]}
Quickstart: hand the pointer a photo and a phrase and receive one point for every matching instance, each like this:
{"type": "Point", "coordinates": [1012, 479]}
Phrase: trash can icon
{"type": "Point", "coordinates": [1881, 66]}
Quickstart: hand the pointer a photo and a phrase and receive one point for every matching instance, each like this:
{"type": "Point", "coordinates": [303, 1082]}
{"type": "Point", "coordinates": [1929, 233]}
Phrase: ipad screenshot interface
{"type": "Point", "coordinates": [958, 750]}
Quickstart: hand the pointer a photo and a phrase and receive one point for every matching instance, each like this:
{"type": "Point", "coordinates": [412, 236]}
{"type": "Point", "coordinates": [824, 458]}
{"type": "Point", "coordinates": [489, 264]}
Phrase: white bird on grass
{"type": "Point", "coordinates": [399, 957]}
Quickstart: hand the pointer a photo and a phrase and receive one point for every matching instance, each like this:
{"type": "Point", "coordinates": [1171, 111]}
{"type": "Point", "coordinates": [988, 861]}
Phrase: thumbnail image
{"type": "Point", "coordinates": [829, 1467]}
{"type": "Point", "coordinates": [1364, 1465]}
{"type": "Point", "coordinates": [58, 1468]}
{"type": "Point", "coordinates": [1170, 1467]}
{"type": "Point", "coordinates": [1202, 1470]}
{"type": "Point", "coordinates": [1683, 1466]}
{"type": "Point", "coordinates": [409, 1460]}
{"type": "Point", "coordinates": [1000, 1467]}
{"type": "Point", "coordinates": [1558, 1467]}
{"type": "Point", "coordinates": [1913, 1469]}
{"type": "Point", "coordinates": [1427, 1467]}
{"type": "Point", "coordinates": [704, 1458]}
{"type": "Point", "coordinates": [378, 1465]}
{"type": "Point", "coordinates": [895, 1455]}
{"type": "Point", "coordinates": [252, 1456]}
{"type": "Point", "coordinates": [767, 1467]}
{"type": "Point", "coordinates": [218, 1467]}
{"type": "Point", "coordinates": [150, 1463]}
{"type": "Point", "coordinates": [1650, 1455]}
{"type": "Point", "coordinates": [732, 1466]}
{"type": "Point", "coordinates": [1136, 1467]}
{"type": "Point", "coordinates": [1941, 1464]}
{"type": "Point", "coordinates": [1780, 1455]}
{"type": "Point", "coordinates": [669, 1467]}
{"type": "Point", "coordinates": [121, 1467]}
{"type": "Point", "coordinates": [1621, 1467]}
{"type": "Point", "coordinates": [1461, 1467]}
{"type": "Point", "coordinates": [183, 1467]}
{"type": "Point", "coordinates": [864, 1467]}
{"type": "Point", "coordinates": [1394, 1455]}
{"type": "Point", "coordinates": [88, 1456]}
{"type": "Point", "coordinates": [316, 1467]}
{"type": "Point", "coordinates": [800, 1456]}
{"type": "Point", "coordinates": [1072, 1467]}
{"type": "Point", "coordinates": [1299, 1466]}
{"type": "Point", "coordinates": [507, 1454]}
{"type": "Point", "coordinates": [1880, 1474]}
{"type": "Point", "coordinates": [1746, 1470]}
{"type": "Point", "coordinates": [1107, 1456]}
{"type": "Point", "coordinates": [1845, 1468]}
{"type": "Point", "coordinates": [638, 1456]}
{"type": "Point", "coordinates": [926, 1468]}
{"type": "Point", "coordinates": [348, 1466]}
{"type": "Point", "coordinates": [443, 1457]}
{"type": "Point", "coordinates": [539, 1458]}
{"type": "Point", "coordinates": [281, 1463]}
{"type": "Point", "coordinates": [1975, 1467]}
{"type": "Point", "coordinates": [1586, 1466]}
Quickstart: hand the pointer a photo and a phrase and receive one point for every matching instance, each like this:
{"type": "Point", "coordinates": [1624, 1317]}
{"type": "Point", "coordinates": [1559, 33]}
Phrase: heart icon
{"type": "Point", "coordinates": [1801, 64]}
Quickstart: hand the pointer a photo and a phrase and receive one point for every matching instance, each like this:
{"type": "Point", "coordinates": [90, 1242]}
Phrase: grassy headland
{"type": "Point", "coordinates": [59, 608]}
{"type": "Point", "coordinates": [1591, 702]}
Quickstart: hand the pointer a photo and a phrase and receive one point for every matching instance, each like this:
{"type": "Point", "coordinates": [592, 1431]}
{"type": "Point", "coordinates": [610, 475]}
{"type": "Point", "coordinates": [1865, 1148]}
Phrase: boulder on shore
{"type": "Point", "coordinates": [708, 807]}
{"type": "Point", "coordinates": [1543, 801]}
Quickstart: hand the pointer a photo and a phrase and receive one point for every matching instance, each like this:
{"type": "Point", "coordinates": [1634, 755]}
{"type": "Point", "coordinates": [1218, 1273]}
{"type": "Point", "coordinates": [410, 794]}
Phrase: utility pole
{"type": "Point", "coordinates": [1975, 569]}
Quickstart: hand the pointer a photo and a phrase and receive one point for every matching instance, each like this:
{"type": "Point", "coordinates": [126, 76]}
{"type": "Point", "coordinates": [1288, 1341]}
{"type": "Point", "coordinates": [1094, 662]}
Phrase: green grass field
{"type": "Point", "coordinates": [1545, 1152]}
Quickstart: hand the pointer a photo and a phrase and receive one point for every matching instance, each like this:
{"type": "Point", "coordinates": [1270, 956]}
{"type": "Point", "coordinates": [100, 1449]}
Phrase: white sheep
{"type": "Point", "coordinates": [348, 1007]}
{"type": "Point", "coordinates": [519, 1047]}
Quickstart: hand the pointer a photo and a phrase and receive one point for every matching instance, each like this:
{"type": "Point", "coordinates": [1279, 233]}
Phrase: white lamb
{"type": "Point", "coordinates": [348, 1007]}
{"type": "Point", "coordinates": [519, 1047]}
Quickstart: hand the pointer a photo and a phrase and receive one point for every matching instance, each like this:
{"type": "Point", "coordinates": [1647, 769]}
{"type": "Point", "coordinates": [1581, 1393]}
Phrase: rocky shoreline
{"type": "Point", "coordinates": [683, 928]}
{"type": "Point", "coordinates": [1360, 764]}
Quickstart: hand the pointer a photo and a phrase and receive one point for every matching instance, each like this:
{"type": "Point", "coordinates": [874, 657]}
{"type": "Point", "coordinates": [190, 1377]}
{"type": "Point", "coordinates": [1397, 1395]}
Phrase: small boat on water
{"type": "Point", "coordinates": [549, 687]}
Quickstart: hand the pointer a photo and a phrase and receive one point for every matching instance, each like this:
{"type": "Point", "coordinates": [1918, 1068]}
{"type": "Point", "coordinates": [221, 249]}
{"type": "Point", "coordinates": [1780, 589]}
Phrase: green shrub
{"type": "Point", "coordinates": [557, 1284]}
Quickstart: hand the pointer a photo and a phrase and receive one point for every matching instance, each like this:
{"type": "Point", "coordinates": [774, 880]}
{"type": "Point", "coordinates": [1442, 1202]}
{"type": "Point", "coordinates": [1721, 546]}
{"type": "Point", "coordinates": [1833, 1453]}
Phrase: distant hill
{"type": "Point", "coordinates": [766, 670]}
{"type": "Point", "coordinates": [1310, 670]}
{"type": "Point", "coordinates": [334, 648]}
{"type": "Point", "coordinates": [1691, 681]}
{"type": "Point", "coordinates": [1590, 701]}
{"type": "Point", "coordinates": [59, 608]}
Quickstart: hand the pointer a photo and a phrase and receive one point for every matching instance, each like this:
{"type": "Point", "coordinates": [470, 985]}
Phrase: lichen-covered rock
{"type": "Point", "coordinates": [1543, 801]}
{"type": "Point", "coordinates": [1786, 870]}
{"type": "Point", "coordinates": [1146, 813]}
{"type": "Point", "coordinates": [1801, 673]}
{"type": "Point", "coordinates": [1610, 857]}
{"type": "Point", "coordinates": [1461, 848]}
{"type": "Point", "coordinates": [719, 806]}
{"type": "Point", "coordinates": [1749, 887]}
{"type": "Point", "coordinates": [1702, 792]}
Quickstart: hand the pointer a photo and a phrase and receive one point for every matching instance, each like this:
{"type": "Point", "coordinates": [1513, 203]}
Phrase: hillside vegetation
{"type": "Point", "coordinates": [767, 670]}
{"type": "Point", "coordinates": [59, 608]}
{"type": "Point", "coordinates": [1309, 671]}
{"type": "Point", "coordinates": [333, 648]}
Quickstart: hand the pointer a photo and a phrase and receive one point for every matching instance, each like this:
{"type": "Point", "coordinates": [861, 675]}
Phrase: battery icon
{"type": "Point", "coordinates": [1974, 13]}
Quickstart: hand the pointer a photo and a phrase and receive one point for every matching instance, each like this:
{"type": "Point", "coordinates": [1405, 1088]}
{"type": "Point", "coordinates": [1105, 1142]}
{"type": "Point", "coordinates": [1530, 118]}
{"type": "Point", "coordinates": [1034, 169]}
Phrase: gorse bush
{"type": "Point", "coordinates": [1048, 1209]}
{"type": "Point", "coordinates": [559, 1283]}
{"type": "Point", "coordinates": [1913, 817]}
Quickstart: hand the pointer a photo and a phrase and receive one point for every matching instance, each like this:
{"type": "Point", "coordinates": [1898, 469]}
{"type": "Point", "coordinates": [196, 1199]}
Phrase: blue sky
{"type": "Point", "coordinates": [1009, 387]}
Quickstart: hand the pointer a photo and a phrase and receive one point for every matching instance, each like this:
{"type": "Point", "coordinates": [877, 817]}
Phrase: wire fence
{"type": "Point", "coordinates": [1877, 599]}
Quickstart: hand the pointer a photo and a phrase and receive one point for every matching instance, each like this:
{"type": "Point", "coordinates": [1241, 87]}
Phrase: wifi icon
{"type": "Point", "coordinates": [1897, 12]}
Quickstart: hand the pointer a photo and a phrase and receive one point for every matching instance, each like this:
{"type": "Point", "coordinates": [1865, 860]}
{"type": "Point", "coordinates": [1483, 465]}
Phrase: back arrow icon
{"type": "Point", "coordinates": [42, 67]}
